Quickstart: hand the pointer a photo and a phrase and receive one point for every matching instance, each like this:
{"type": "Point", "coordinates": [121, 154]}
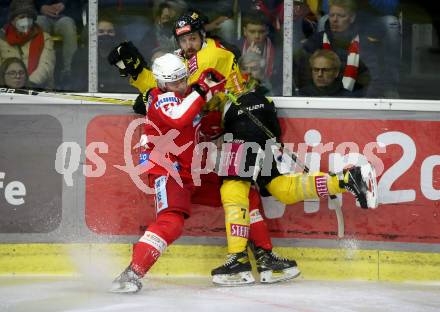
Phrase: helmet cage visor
{"type": "Point", "coordinates": [174, 76]}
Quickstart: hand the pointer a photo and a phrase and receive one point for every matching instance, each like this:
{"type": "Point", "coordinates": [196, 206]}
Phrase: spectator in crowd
{"type": "Point", "coordinates": [325, 65]}
{"type": "Point", "coordinates": [23, 38]}
{"type": "Point", "coordinates": [4, 6]}
{"type": "Point", "coordinates": [107, 38]}
{"type": "Point", "coordinates": [62, 18]}
{"type": "Point", "coordinates": [432, 10]}
{"type": "Point", "coordinates": [355, 51]}
{"type": "Point", "coordinates": [379, 19]}
{"type": "Point", "coordinates": [375, 7]}
{"type": "Point", "coordinates": [161, 34]}
{"type": "Point", "coordinates": [252, 67]}
{"type": "Point", "coordinates": [304, 23]}
{"type": "Point", "coordinates": [272, 10]}
{"type": "Point", "coordinates": [219, 18]}
{"type": "Point", "coordinates": [13, 74]}
{"type": "Point", "coordinates": [304, 16]}
{"type": "Point", "coordinates": [379, 28]}
{"type": "Point", "coordinates": [256, 39]}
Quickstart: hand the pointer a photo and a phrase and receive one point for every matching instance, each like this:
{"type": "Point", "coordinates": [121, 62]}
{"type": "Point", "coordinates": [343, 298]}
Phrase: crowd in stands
{"type": "Point", "coordinates": [22, 38]}
{"type": "Point", "coordinates": [50, 38]}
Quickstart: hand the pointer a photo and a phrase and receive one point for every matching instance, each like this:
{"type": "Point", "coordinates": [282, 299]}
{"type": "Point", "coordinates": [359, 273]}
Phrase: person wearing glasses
{"type": "Point", "coordinates": [325, 68]}
{"type": "Point", "coordinates": [21, 37]}
{"type": "Point", "coordinates": [13, 74]}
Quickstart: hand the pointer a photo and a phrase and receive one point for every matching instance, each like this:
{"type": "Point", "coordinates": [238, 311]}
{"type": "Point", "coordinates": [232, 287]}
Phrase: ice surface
{"type": "Point", "coordinates": [161, 294]}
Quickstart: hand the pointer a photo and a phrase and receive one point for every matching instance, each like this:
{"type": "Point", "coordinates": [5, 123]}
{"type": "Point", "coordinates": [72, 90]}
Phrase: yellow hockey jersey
{"type": "Point", "coordinates": [211, 55]}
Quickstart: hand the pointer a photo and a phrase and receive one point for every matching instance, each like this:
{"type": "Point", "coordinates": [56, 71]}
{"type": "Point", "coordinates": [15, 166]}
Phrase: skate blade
{"type": "Point", "coordinates": [270, 277]}
{"type": "Point", "coordinates": [242, 278]}
{"type": "Point", "coordinates": [124, 288]}
{"type": "Point", "coordinates": [369, 175]}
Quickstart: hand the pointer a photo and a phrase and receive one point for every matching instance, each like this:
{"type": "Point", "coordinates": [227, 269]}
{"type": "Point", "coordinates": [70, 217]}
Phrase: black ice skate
{"type": "Point", "coordinates": [361, 182]}
{"type": "Point", "coordinates": [273, 268]}
{"type": "Point", "coordinates": [236, 271]}
{"type": "Point", "coordinates": [127, 282]}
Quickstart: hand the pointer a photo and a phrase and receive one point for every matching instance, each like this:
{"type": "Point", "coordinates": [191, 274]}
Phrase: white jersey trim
{"type": "Point", "coordinates": [255, 216]}
{"type": "Point", "coordinates": [173, 107]}
{"type": "Point", "coordinates": [154, 240]}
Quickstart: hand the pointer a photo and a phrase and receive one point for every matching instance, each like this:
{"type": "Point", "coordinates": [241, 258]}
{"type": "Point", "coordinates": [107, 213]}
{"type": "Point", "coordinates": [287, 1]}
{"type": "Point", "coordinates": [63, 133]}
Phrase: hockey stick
{"type": "Point", "coordinates": [337, 206]}
{"type": "Point", "coordinates": [72, 96]}
{"type": "Point", "coordinates": [267, 131]}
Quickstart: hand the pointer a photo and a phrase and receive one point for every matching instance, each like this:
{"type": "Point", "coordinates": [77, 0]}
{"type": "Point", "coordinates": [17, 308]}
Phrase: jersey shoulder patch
{"type": "Point", "coordinates": [166, 101]}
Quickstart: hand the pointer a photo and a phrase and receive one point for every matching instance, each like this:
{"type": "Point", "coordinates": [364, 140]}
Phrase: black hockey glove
{"type": "Point", "coordinates": [199, 89]}
{"type": "Point", "coordinates": [139, 105]}
{"type": "Point", "coordinates": [128, 59]}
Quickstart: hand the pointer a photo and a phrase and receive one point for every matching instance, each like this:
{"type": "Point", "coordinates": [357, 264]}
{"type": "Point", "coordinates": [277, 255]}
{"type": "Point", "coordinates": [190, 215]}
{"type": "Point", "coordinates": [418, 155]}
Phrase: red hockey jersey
{"type": "Point", "coordinates": [171, 131]}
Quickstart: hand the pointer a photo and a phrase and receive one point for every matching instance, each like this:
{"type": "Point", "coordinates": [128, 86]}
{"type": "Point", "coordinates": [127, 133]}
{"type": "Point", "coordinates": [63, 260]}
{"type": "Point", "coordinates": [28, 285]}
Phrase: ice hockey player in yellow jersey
{"type": "Point", "coordinates": [198, 52]}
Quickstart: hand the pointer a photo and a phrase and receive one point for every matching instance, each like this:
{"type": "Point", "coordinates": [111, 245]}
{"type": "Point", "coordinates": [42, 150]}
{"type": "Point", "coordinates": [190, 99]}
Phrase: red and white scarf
{"type": "Point", "coordinates": [36, 46]}
{"type": "Point", "coordinates": [351, 69]}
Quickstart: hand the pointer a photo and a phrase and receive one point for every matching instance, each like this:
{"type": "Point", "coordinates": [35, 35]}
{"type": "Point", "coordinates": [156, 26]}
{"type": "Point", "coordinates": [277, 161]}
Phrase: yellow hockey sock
{"type": "Point", "coordinates": [290, 189]}
{"type": "Point", "coordinates": [235, 200]}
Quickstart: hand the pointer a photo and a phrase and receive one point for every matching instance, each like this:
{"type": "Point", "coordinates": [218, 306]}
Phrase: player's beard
{"type": "Point", "coordinates": [190, 53]}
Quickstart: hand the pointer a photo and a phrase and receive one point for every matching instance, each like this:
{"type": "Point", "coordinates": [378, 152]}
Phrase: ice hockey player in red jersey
{"type": "Point", "coordinates": [171, 130]}
{"type": "Point", "coordinates": [189, 28]}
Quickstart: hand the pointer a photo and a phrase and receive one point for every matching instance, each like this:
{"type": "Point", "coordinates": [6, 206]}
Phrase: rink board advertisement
{"type": "Point", "coordinates": [405, 154]}
{"type": "Point", "coordinates": [30, 188]}
{"type": "Point", "coordinates": [67, 188]}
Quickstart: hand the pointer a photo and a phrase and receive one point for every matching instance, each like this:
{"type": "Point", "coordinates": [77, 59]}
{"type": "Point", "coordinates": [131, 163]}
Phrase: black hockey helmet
{"type": "Point", "coordinates": [188, 23]}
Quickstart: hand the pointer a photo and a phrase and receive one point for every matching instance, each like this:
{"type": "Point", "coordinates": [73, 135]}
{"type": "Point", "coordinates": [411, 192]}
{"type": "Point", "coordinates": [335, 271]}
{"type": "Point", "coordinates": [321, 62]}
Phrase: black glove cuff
{"type": "Point", "coordinates": [113, 57]}
{"type": "Point", "coordinates": [139, 105]}
{"type": "Point", "coordinates": [134, 72]}
{"type": "Point", "coordinates": [198, 88]}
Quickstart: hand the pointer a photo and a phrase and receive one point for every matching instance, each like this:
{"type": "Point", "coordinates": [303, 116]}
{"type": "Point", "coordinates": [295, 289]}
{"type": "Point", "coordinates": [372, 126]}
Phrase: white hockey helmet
{"type": "Point", "coordinates": [168, 68]}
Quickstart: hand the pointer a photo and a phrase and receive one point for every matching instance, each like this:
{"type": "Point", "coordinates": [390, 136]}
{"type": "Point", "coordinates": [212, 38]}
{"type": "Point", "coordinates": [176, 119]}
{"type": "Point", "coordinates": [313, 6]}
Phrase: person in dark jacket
{"type": "Point", "coordinates": [326, 66]}
{"type": "Point", "coordinates": [108, 37]}
{"type": "Point", "coordinates": [62, 18]}
{"type": "Point", "coordinates": [358, 52]}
